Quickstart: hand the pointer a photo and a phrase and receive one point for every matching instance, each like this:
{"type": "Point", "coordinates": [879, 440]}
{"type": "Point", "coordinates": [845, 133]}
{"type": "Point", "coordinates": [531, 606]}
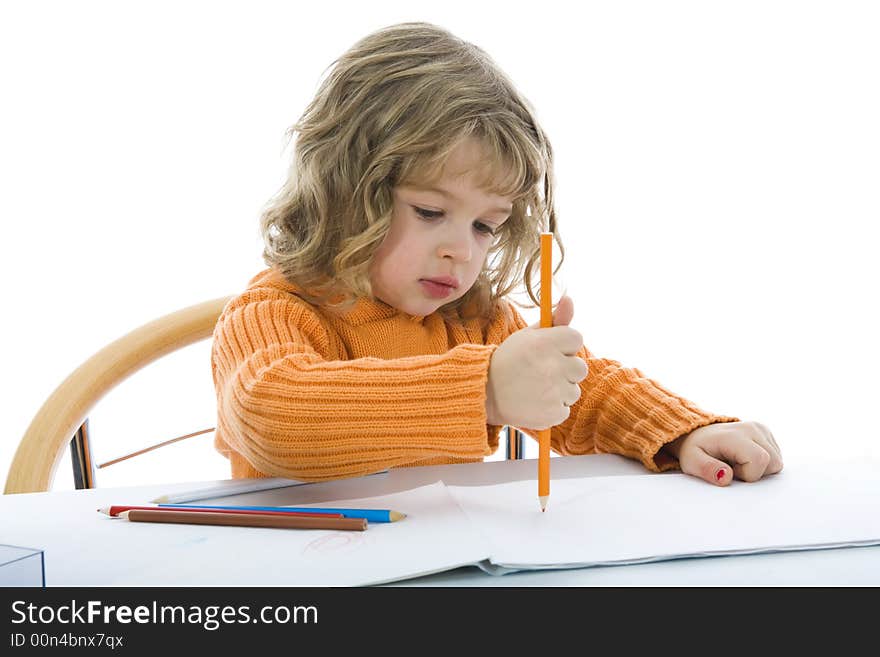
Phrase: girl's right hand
{"type": "Point", "coordinates": [534, 374]}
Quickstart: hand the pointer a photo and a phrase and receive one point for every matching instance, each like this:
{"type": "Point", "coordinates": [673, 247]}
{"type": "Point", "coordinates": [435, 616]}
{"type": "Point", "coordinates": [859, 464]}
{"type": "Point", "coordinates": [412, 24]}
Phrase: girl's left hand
{"type": "Point", "coordinates": [719, 452]}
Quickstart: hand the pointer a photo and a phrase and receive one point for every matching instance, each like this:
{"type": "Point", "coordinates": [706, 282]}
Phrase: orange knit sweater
{"type": "Point", "coordinates": [312, 395]}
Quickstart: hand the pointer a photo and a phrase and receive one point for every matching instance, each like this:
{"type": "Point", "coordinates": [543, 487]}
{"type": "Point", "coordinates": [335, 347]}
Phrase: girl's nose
{"type": "Point", "coordinates": [456, 244]}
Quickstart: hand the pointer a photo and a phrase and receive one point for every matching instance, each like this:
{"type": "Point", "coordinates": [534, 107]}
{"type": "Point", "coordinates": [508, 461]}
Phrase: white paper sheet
{"type": "Point", "coordinates": [590, 521]}
{"type": "Point", "coordinates": [86, 548]}
{"type": "Point", "coordinates": [619, 520]}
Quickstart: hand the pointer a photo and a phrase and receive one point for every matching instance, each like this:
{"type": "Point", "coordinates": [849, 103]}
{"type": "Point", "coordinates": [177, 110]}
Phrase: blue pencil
{"type": "Point", "coordinates": [371, 515]}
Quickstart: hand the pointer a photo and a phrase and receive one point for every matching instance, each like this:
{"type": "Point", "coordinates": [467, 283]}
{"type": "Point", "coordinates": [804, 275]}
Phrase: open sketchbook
{"type": "Point", "coordinates": [590, 521]}
{"type": "Point", "coordinates": [598, 521]}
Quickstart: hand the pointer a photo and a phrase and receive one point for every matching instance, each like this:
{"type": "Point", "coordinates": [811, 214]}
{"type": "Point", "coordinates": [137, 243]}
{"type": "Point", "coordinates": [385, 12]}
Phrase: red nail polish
{"type": "Point", "coordinates": [719, 475]}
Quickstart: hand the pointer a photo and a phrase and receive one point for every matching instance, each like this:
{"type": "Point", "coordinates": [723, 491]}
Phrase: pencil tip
{"type": "Point", "coordinates": [543, 501]}
{"type": "Point", "coordinates": [394, 516]}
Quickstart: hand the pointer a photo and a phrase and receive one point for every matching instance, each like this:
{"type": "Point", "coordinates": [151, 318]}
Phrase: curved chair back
{"type": "Point", "coordinates": [63, 413]}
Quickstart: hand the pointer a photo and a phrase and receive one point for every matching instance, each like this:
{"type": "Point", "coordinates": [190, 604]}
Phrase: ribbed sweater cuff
{"type": "Point", "coordinates": [638, 424]}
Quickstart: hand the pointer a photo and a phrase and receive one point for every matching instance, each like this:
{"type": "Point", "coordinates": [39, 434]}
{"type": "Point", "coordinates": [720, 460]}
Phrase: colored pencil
{"type": "Point", "coordinates": [373, 515]}
{"type": "Point", "coordinates": [116, 509]}
{"type": "Point", "coordinates": [546, 322]}
{"type": "Point", "coordinates": [280, 521]}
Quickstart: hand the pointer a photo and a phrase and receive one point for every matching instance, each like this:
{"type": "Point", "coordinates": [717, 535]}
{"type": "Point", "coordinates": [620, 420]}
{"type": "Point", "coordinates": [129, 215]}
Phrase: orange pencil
{"type": "Point", "coordinates": [546, 322]}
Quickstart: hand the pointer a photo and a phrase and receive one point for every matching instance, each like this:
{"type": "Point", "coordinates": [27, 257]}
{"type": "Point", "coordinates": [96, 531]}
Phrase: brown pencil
{"type": "Point", "coordinates": [116, 509]}
{"type": "Point", "coordinates": [244, 520]}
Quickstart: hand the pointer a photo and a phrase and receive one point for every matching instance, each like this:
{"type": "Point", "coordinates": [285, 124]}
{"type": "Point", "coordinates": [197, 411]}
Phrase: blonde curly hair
{"type": "Point", "coordinates": [389, 113]}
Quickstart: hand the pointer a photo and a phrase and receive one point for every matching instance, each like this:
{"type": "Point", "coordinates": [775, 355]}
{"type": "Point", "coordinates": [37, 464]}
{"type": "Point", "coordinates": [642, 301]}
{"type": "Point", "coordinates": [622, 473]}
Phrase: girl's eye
{"type": "Point", "coordinates": [433, 214]}
{"type": "Point", "coordinates": [428, 214]}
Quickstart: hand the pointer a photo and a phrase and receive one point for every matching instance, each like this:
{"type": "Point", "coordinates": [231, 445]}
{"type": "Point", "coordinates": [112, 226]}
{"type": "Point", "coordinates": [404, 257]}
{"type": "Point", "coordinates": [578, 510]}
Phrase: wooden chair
{"type": "Point", "coordinates": [63, 419]}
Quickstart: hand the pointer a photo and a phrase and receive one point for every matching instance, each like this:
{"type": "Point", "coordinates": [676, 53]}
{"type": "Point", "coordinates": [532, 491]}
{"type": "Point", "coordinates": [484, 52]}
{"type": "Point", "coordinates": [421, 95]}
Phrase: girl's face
{"type": "Point", "coordinates": [439, 237]}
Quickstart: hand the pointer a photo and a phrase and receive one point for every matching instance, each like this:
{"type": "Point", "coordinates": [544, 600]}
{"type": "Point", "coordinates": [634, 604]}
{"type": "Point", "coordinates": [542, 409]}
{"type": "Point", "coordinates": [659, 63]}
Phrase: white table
{"type": "Point", "coordinates": [833, 567]}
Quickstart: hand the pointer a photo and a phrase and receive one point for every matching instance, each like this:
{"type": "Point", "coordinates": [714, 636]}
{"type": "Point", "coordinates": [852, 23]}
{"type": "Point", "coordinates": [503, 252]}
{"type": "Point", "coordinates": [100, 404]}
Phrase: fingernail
{"type": "Point", "coordinates": [719, 475]}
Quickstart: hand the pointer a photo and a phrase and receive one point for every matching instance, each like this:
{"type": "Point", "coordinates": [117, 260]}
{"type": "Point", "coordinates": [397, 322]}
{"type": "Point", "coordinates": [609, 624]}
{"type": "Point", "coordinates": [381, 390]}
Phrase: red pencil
{"type": "Point", "coordinates": [116, 509]}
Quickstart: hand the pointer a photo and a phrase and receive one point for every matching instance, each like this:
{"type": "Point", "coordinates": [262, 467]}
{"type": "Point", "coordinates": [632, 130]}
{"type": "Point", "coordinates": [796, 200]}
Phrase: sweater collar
{"type": "Point", "coordinates": [368, 310]}
{"type": "Point", "coordinates": [364, 311]}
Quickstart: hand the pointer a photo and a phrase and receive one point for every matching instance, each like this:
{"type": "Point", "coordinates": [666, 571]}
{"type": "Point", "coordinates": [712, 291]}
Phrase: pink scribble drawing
{"type": "Point", "coordinates": [335, 542]}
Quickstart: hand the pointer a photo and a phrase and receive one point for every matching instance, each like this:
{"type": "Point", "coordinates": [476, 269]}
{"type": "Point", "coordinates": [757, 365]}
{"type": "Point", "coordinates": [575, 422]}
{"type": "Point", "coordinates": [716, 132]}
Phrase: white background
{"type": "Point", "coordinates": [717, 169]}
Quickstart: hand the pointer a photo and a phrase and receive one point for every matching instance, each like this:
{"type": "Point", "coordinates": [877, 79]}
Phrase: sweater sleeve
{"type": "Point", "coordinates": [622, 411]}
{"type": "Point", "coordinates": [289, 411]}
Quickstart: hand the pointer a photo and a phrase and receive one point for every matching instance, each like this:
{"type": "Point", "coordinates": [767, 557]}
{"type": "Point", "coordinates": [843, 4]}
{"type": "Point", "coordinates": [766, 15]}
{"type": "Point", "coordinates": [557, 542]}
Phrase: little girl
{"type": "Point", "coordinates": [380, 335]}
